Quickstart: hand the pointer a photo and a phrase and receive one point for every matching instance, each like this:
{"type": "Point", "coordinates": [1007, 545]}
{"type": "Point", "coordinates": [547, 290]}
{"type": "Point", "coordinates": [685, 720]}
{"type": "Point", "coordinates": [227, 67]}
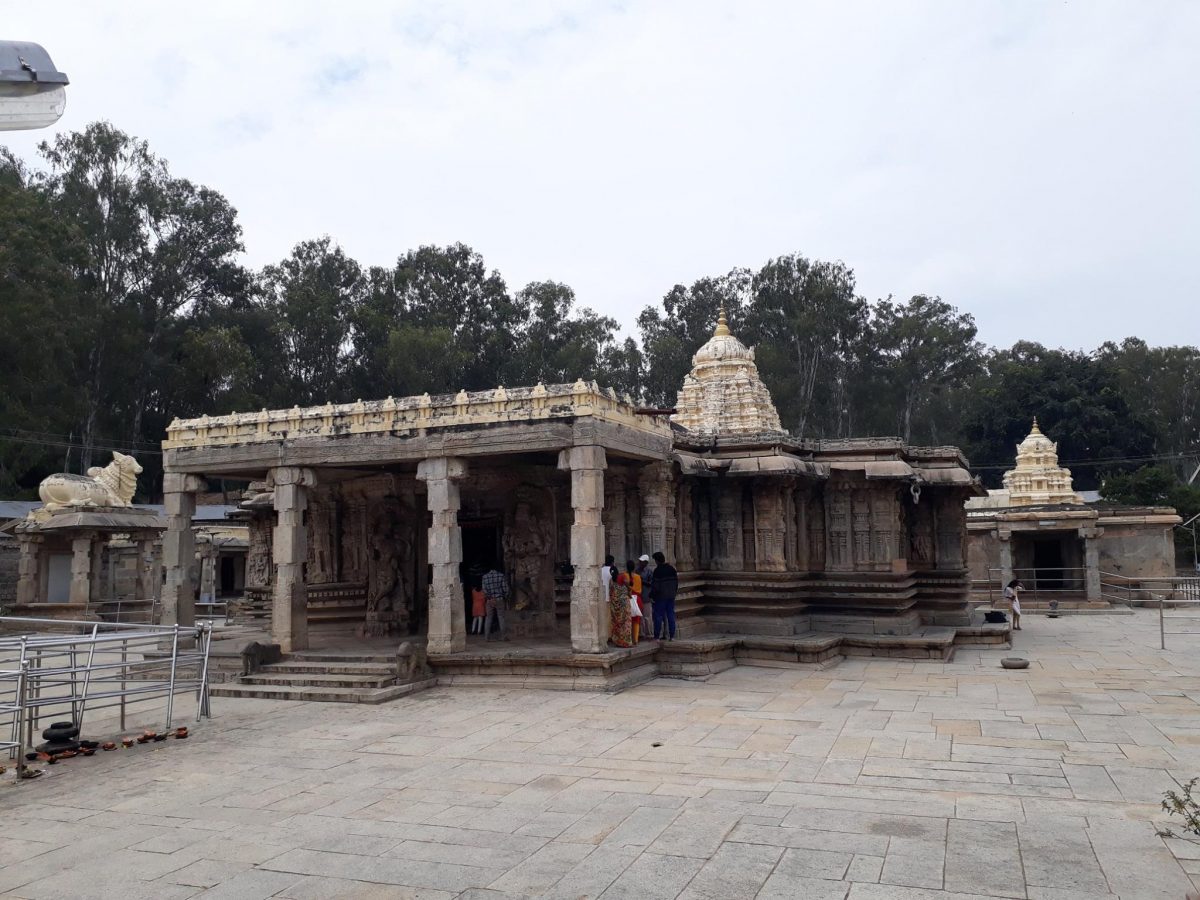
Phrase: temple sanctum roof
{"type": "Point", "coordinates": [1038, 479]}
{"type": "Point", "coordinates": [723, 395]}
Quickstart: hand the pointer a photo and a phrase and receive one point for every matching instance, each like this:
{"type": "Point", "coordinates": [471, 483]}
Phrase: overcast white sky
{"type": "Point", "coordinates": [1035, 163]}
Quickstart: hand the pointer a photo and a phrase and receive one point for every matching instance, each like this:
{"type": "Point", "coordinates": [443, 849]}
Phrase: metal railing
{"type": "Point", "coordinates": [1174, 590]}
{"type": "Point", "coordinates": [101, 665]}
{"type": "Point", "coordinates": [1040, 583]}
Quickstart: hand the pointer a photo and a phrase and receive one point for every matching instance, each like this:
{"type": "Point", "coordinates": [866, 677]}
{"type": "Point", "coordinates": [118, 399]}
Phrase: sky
{"type": "Point", "coordinates": [1036, 164]}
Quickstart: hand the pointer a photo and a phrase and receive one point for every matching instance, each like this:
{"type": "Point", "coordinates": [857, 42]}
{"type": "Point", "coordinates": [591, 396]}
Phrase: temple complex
{"type": "Point", "coordinates": [1038, 529]}
{"type": "Point", "coordinates": [375, 516]}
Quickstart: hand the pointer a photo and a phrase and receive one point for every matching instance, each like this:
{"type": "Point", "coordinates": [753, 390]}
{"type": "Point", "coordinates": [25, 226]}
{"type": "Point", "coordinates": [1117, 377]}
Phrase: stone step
{"type": "Point", "coordinates": [317, 694]}
{"type": "Point", "coordinates": [311, 679]}
{"type": "Point", "coordinates": [342, 656]}
{"type": "Point", "coordinates": [316, 667]}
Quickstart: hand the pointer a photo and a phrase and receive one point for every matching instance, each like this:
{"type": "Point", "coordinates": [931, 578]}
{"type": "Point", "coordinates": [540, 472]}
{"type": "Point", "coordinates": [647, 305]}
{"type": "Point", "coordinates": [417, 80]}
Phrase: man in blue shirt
{"type": "Point", "coordinates": [495, 593]}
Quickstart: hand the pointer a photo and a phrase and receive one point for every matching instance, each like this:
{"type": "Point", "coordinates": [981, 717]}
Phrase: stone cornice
{"type": "Point", "coordinates": [413, 415]}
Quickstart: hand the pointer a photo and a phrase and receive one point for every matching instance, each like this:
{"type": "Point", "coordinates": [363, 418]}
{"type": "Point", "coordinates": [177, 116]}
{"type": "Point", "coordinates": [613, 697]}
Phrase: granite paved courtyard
{"type": "Point", "coordinates": [872, 779]}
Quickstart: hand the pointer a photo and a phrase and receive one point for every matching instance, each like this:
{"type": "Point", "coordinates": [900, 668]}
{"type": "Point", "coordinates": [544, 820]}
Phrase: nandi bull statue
{"type": "Point", "coordinates": [112, 485]}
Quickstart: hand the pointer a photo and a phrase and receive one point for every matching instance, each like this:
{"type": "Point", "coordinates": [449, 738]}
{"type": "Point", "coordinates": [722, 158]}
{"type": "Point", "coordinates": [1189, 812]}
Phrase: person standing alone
{"type": "Point", "coordinates": [495, 594]}
{"type": "Point", "coordinates": [664, 586]}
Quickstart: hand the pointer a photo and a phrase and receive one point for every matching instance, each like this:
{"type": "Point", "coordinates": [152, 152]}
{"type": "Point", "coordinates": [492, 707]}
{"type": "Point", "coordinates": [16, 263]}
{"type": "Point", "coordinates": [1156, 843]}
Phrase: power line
{"type": "Point", "coordinates": [72, 445]}
{"type": "Point", "coordinates": [1078, 463]}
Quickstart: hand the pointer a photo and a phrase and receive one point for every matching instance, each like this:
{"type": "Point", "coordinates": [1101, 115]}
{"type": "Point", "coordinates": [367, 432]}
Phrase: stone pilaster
{"type": "Point", "coordinates": [81, 571]}
{"type": "Point", "coordinates": [289, 608]}
{"type": "Point", "coordinates": [30, 588]}
{"type": "Point", "coordinates": [769, 527]}
{"type": "Point", "coordinates": [1006, 557]}
{"type": "Point", "coordinates": [447, 616]}
{"type": "Point", "coordinates": [951, 525]}
{"type": "Point", "coordinates": [179, 549]}
{"type": "Point", "coordinates": [589, 606]}
{"type": "Point", "coordinates": [657, 487]}
{"type": "Point", "coordinates": [146, 580]}
{"type": "Point", "coordinates": [1091, 563]}
{"type": "Point", "coordinates": [614, 515]}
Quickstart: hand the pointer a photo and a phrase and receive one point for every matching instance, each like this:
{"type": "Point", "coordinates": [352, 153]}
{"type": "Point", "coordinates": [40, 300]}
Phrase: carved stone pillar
{"type": "Point", "coordinates": [1006, 557]}
{"type": "Point", "coordinates": [1091, 563]}
{"type": "Point", "coordinates": [951, 531]}
{"type": "Point", "coordinates": [816, 531]}
{"type": "Point", "coordinates": [657, 486]}
{"type": "Point", "coordinates": [839, 555]}
{"type": "Point", "coordinates": [769, 527]}
{"type": "Point", "coordinates": [146, 581]}
{"type": "Point", "coordinates": [289, 607]}
{"type": "Point", "coordinates": [615, 538]}
{"type": "Point", "coordinates": [685, 534]}
{"type": "Point", "coordinates": [589, 606]}
{"type": "Point", "coordinates": [728, 552]}
{"type": "Point", "coordinates": [81, 571]}
{"type": "Point", "coordinates": [30, 588]}
{"type": "Point", "coordinates": [447, 616]}
{"type": "Point", "coordinates": [885, 526]}
{"type": "Point", "coordinates": [179, 549]}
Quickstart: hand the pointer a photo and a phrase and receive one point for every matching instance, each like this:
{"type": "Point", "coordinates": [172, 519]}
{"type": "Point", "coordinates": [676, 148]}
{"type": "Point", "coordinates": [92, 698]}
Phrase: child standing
{"type": "Point", "coordinates": [478, 607]}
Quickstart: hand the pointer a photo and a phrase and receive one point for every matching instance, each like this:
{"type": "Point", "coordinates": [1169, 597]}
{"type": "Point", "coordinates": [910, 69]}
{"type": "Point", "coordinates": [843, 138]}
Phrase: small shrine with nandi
{"type": "Point", "coordinates": [371, 519]}
{"type": "Point", "coordinates": [62, 543]}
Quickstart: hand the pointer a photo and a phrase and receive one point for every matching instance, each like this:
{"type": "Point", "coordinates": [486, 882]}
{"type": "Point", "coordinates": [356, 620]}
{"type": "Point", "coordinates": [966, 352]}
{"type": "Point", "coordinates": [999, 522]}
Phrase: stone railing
{"type": "Point", "coordinates": [413, 414]}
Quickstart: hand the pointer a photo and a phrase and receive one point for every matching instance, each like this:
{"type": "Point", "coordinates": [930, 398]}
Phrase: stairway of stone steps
{"type": "Point", "coordinates": [327, 676]}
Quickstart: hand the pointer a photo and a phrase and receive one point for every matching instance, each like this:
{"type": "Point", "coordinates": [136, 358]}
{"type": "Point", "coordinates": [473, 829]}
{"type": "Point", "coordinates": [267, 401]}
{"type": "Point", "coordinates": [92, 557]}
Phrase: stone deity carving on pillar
{"type": "Point", "coordinates": [390, 590]}
{"type": "Point", "coordinates": [920, 534]}
{"type": "Point", "coordinates": [528, 541]}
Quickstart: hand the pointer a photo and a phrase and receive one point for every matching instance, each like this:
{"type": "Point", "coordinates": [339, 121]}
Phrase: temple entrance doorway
{"type": "Point", "coordinates": [481, 545]}
{"type": "Point", "coordinates": [1050, 562]}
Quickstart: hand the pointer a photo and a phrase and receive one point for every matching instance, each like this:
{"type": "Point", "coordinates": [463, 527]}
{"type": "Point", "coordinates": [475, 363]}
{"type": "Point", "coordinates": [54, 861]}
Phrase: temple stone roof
{"type": "Point", "coordinates": [723, 395]}
{"type": "Point", "coordinates": [1038, 479]}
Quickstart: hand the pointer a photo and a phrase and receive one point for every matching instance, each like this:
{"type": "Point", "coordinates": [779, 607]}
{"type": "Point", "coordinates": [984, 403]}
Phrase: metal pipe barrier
{"type": "Point", "coordinates": [1038, 583]}
{"type": "Point", "coordinates": [45, 675]}
{"type": "Point", "coordinates": [1178, 591]}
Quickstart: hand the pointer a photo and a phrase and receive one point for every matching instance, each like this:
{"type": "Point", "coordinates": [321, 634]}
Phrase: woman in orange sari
{"type": "Point", "coordinates": [620, 630]}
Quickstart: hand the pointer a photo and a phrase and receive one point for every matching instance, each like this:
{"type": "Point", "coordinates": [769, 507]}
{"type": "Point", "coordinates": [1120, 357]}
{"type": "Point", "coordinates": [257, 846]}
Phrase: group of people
{"type": "Point", "coordinates": [645, 590]}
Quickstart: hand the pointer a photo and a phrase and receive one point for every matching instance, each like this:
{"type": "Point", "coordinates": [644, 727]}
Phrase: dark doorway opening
{"type": "Point", "coordinates": [228, 576]}
{"type": "Point", "coordinates": [481, 548]}
{"type": "Point", "coordinates": [1049, 563]}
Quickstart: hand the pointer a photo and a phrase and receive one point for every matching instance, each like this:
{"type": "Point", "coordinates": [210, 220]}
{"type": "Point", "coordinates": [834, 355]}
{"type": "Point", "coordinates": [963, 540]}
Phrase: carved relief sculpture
{"type": "Point", "coordinates": [390, 593]}
{"type": "Point", "coordinates": [527, 544]}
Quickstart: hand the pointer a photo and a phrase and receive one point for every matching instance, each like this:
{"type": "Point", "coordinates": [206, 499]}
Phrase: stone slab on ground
{"type": "Point", "coordinates": [880, 779]}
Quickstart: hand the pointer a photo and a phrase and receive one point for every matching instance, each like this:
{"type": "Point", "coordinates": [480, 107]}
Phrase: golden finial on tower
{"type": "Point", "coordinates": [722, 328]}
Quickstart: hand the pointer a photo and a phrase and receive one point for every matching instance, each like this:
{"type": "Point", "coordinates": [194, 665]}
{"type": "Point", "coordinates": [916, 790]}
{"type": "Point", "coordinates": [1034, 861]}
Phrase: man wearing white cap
{"type": "Point", "coordinates": [646, 569]}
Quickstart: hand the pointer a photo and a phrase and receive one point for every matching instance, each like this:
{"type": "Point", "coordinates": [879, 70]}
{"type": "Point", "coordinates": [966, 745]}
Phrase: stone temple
{"type": "Point", "coordinates": [372, 516]}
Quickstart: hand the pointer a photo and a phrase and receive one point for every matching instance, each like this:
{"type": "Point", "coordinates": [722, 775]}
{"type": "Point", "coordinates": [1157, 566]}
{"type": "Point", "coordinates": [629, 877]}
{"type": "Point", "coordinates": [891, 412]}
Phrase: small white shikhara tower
{"type": "Point", "coordinates": [1038, 479]}
{"type": "Point", "coordinates": [724, 395]}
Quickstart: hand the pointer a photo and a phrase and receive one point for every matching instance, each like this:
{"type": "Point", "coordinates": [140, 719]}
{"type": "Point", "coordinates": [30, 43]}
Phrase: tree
{"type": "Point", "coordinates": [1077, 400]}
{"type": "Point", "coordinates": [311, 295]}
{"type": "Point", "coordinates": [1164, 383]}
{"type": "Point", "coordinates": [154, 246]}
{"type": "Point", "coordinates": [39, 338]}
{"type": "Point", "coordinates": [808, 324]}
{"type": "Point", "coordinates": [560, 343]}
{"type": "Point", "coordinates": [924, 347]}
